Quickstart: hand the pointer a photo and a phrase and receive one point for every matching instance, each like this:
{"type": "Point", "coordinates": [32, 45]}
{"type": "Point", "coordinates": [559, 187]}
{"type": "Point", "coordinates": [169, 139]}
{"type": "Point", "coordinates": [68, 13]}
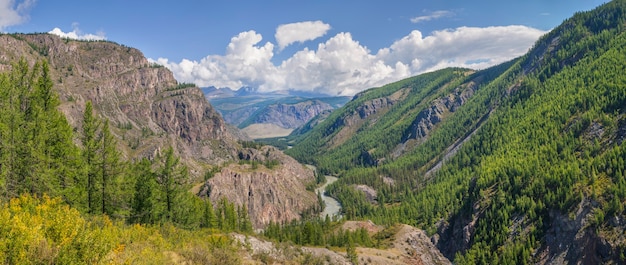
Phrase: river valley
{"type": "Point", "coordinates": [333, 207]}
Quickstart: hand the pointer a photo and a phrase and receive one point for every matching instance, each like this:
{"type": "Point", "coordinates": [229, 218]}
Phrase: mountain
{"type": "Point", "coordinates": [288, 115]}
{"type": "Point", "coordinates": [519, 163]}
{"type": "Point", "coordinates": [147, 106]}
{"type": "Point", "coordinates": [269, 114]}
{"type": "Point", "coordinates": [213, 92]}
{"type": "Point", "coordinates": [382, 123]}
{"type": "Point", "coordinates": [149, 111]}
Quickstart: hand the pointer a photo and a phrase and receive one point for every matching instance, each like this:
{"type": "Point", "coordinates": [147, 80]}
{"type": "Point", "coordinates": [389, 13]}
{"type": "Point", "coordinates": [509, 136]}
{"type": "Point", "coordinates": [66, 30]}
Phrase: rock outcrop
{"type": "Point", "coordinates": [428, 118]}
{"type": "Point", "coordinates": [574, 240]}
{"type": "Point", "coordinates": [147, 107]}
{"type": "Point", "coordinates": [274, 192]}
{"type": "Point", "coordinates": [418, 247]}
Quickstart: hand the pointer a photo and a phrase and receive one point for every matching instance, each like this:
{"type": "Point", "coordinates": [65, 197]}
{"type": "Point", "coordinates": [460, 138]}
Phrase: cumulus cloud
{"type": "Point", "coordinates": [434, 15]}
{"type": "Point", "coordinates": [244, 64]}
{"type": "Point", "coordinates": [76, 34]}
{"type": "Point", "coordinates": [343, 66]}
{"type": "Point", "coordinates": [300, 32]}
{"type": "Point", "coordinates": [339, 66]}
{"type": "Point", "coordinates": [14, 13]}
{"type": "Point", "coordinates": [470, 47]}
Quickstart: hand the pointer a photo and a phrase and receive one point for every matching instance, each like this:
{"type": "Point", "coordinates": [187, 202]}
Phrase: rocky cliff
{"type": "Point", "coordinates": [271, 184]}
{"type": "Point", "coordinates": [292, 115]}
{"type": "Point", "coordinates": [147, 106]}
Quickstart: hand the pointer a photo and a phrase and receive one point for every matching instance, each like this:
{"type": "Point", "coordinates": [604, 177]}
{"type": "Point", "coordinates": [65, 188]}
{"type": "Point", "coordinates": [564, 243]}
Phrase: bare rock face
{"type": "Point", "coordinates": [369, 108]}
{"type": "Point", "coordinates": [276, 194]}
{"type": "Point", "coordinates": [145, 104]}
{"type": "Point", "coordinates": [574, 241]}
{"type": "Point", "coordinates": [427, 119]}
{"type": "Point", "coordinates": [418, 246]}
{"type": "Point", "coordinates": [292, 115]}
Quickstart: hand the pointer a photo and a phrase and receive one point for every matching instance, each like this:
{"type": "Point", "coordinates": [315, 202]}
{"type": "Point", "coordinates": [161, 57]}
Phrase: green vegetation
{"type": "Point", "coordinates": [155, 65]}
{"type": "Point", "coordinates": [181, 86]}
{"type": "Point", "coordinates": [281, 143]}
{"type": "Point", "coordinates": [41, 230]}
{"type": "Point", "coordinates": [318, 232]}
{"type": "Point", "coordinates": [63, 203]}
{"type": "Point", "coordinates": [547, 133]}
{"type": "Point", "coordinates": [376, 140]}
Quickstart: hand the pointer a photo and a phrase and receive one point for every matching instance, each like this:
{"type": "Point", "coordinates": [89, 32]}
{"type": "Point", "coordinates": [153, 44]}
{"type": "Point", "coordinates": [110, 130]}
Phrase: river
{"type": "Point", "coordinates": [333, 207]}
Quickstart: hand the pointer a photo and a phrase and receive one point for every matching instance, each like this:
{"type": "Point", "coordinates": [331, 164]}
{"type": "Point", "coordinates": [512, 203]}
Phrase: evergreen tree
{"type": "Point", "coordinates": [209, 219]}
{"type": "Point", "coordinates": [351, 251]}
{"type": "Point", "coordinates": [170, 177]}
{"type": "Point", "coordinates": [90, 147]}
{"type": "Point", "coordinates": [36, 149]}
{"type": "Point", "coordinates": [244, 222]}
{"type": "Point", "coordinates": [110, 167]}
{"type": "Point", "coordinates": [143, 206]}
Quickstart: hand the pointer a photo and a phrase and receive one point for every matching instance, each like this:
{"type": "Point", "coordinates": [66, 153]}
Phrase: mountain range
{"type": "Point", "coordinates": [519, 163]}
{"type": "Point", "coordinates": [270, 114]}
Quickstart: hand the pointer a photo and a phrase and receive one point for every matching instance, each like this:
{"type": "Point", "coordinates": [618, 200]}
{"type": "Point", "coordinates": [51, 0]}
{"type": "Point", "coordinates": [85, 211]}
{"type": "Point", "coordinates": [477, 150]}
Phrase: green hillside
{"type": "Point", "coordinates": [349, 137]}
{"type": "Point", "coordinates": [537, 146]}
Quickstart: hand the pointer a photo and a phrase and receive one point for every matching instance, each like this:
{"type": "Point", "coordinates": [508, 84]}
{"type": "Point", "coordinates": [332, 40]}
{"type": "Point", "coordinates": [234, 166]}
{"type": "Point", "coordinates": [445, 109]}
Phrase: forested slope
{"type": "Point", "coordinates": [538, 176]}
{"type": "Point", "coordinates": [368, 129]}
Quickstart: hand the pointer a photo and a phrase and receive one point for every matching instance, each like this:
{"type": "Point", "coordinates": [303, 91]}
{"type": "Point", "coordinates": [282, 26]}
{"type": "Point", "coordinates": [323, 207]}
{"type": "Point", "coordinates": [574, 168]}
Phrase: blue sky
{"type": "Point", "coordinates": [337, 47]}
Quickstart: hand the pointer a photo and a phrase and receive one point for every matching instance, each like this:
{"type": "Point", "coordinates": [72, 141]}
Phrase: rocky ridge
{"type": "Point", "coordinates": [147, 106]}
{"type": "Point", "coordinates": [431, 116]}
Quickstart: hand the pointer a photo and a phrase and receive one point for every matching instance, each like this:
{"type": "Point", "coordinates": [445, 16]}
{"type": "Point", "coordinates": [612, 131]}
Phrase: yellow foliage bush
{"type": "Point", "coordinates": [47, 231]}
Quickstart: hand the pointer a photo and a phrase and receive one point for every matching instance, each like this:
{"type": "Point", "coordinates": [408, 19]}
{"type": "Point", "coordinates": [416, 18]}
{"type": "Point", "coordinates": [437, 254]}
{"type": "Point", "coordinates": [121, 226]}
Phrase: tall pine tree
{"type": "Point", "coordinates": [144, 206]}
{"type": "Point", "coordinates": [170, 176]}
{"type": "Point", "coordinates": [110, 168]}
{"type": "Point", "coordinates": [90, 147]}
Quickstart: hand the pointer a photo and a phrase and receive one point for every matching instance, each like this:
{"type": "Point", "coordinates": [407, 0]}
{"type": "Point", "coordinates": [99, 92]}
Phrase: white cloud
{"type": "Point", "coordinates": [464, 47]}
{"type": "Point", "coordinates": [434, 15]}
{"type": "Point", "coordinates": [77, 34]}
{"type": "Point", "coordinates": [14, 13]}
{"type": "Point", "coordinates": [342, 66]}
{"type": "Point", "coordinates": [339, 66]}
{"type": "Point", "coordinates": [300, 32]}
{"type": "Point", "coordinates": [244, 64]}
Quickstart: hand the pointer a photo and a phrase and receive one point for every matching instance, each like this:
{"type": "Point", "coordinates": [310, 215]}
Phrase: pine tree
{"type": "Point", "coordinates": [143, 206]}
{"type": "Point", "coordinates": [209, 219]}
{"type": "Point", "coordinates": [244, 222]}
{"type": "Point", "coordinates": [90, 147]}
{"type": "Point", "coordinates": [170, 177]}
{"type": "Point", "coordinates": [351, 251]}
{"type": "Point", "coordinates": [36, 149]}
{"type": "Point", "coordinates": [110, 166]}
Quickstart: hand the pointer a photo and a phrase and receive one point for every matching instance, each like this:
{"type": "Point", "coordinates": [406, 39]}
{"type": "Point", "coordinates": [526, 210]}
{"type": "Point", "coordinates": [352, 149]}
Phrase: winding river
{"type": "Point", "coordinates": [333, 207]}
